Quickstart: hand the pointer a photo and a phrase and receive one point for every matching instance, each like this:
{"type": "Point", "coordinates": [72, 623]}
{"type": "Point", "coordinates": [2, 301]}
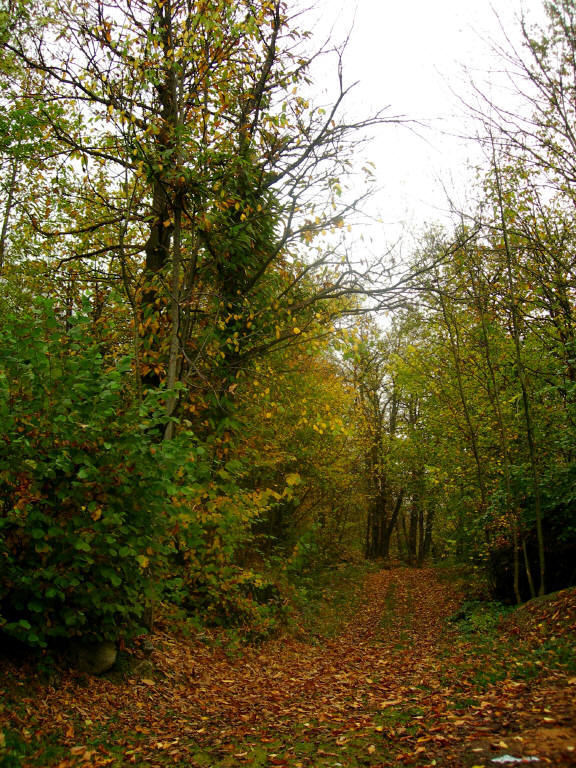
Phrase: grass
{"type": "Point", "coordinates": [479, 619]}
{"type": "Point", "coordinates": [15, 750]}
{"type": "Point", "coordinates": [484, 628]}
{"type": "Point", "coordinates": [388, 615]}
{"type": "Point", "coordinates": [325, 599]}
{"type": "Point", "coordinates": [470, 580]}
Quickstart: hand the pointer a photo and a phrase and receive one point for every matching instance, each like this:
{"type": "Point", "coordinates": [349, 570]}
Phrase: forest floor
{"type": "Point", "coordinates": [407, 678]}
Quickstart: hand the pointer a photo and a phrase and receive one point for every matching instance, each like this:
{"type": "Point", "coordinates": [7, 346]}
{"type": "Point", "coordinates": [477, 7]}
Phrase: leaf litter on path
{"type": "Point", "coordinates": [398, 686]}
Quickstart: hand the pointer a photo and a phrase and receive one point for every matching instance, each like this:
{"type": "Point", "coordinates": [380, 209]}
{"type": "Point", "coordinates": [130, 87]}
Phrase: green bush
{"type": "Point", "coordinates": [83, 485]}
{"type": "Point", "coordinates": [479, 617]}
{"type": "Point", "coordinates": [98, 516]}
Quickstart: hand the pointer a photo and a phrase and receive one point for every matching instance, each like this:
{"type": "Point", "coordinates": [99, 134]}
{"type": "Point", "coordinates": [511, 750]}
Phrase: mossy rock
{"type": "Point", "coordinates": [93, 658]}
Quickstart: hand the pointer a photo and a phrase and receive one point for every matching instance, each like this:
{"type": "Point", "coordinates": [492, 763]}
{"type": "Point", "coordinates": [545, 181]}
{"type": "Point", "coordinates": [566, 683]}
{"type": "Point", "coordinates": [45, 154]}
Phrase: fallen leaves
{"type": "Point", "coordinates": [390, 703]}
{"type": "Point", "coordinates": [396, 687]}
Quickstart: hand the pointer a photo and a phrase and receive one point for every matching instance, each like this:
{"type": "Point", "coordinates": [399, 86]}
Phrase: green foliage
{"type": "Point", "coordinates": [306, 551]}
{"type": "Point", "coordinates": [326, 597]}
{"type": "Point", "coordinates": [237, 598]}
{"type": "Point", "coordinates": [478, 617]}
{"type": "Point", "coordinates": [82, 485]}
{"type": "Point", "coordinates": [99, 516]}
{"type": "Point", "coordinates": [240, 220]}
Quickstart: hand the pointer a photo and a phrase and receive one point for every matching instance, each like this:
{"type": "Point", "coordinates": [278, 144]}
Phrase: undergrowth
{"type": "Point", "coordinates": [489, 630]}
{"type": "Point", "coordinates": [324, 599]}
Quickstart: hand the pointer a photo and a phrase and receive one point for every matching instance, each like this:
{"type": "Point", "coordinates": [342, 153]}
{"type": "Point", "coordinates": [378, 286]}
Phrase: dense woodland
{"type": "Point", "coordinates": [205, 387]}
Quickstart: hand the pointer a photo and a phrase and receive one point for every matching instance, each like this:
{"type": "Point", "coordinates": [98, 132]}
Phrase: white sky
{"type": "Point", "coordinates": [413, 55]}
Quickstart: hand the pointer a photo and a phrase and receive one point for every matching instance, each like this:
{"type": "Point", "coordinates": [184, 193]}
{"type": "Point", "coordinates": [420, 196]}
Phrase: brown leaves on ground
{"type": "Point", "coordinates": [552, 615]}
{"type": "Point", "coordinates": [398, 686]}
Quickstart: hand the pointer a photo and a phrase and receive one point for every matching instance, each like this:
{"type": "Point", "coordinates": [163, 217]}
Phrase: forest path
{"type": "Point", "coordinates": [344, 680]}
{"type": "Point", "coordinates": [400, 685]}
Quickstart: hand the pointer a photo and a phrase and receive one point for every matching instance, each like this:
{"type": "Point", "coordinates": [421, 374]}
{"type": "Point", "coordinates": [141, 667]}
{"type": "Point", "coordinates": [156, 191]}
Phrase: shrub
{"type": "Point", "coordinates": [82, 485]}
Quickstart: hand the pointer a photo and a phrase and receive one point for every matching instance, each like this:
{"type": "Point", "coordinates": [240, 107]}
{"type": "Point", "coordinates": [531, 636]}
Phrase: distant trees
{"type": "Point", "coordinates": [398, 493]}
{"type": "Point", "coordinates": [491, 367]}
{"type": "Point", "coordinates": [488, 414]}
{"type": "Point", "coordinates": [378, 403]}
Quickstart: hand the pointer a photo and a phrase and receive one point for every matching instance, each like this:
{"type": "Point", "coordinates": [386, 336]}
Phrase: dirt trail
{"type": "Point", "coordinates": [395, 687]}
{"type": "Point", "coordinates": [381, 646]}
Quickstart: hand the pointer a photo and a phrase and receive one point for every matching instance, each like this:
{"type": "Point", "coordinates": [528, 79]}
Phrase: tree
{"type": "Point", "coordinates": [215, 176]}
{"type": "Point", "coordinates": [378, 404]}
{"type": "Point", "coordinates": [300, 440]}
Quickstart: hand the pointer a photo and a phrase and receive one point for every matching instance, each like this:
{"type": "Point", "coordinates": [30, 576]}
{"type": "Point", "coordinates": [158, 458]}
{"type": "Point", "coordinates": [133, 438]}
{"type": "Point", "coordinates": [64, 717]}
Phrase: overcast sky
{"type": "Point", "coordinates": [414, 55]}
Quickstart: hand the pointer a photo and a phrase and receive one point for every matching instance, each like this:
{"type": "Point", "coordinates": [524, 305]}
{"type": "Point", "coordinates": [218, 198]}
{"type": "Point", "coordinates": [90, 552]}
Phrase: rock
{"type": "Point", "coordinates": [147, 646]}
{"type": "Point", "coordinates": [142, 668]}
{"type": "Point", "coordinates": [93, 658]}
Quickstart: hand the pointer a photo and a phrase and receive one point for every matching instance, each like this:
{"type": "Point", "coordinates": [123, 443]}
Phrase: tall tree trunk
{"type": "Point", "coordinates": [162, 249]}
{"type": "Point", "coordinates": [523, 385]}
{"type": "Point", "coordinates": [528, 570]}
{"type": "Point", "coordinates": [420, 554]}
{"type": "Point", "coordinates": [380, 526]}
{"type": "Point", "coordinates": [494, 395]}
{"type": "Point", "coordinates": [392, 522]}
{"type": "Point", "coordinates": [412, 533]}
{"type": "Point", "coordinates": [454, 339]}
{"type": "Point", "coordinates": [427, 541]}
{"type": "Point", "coordinates": [12, 178]}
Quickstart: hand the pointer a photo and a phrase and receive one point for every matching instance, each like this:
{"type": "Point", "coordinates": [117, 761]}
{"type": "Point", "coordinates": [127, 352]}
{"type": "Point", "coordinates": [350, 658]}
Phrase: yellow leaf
{"type": "Point", "coordinates": [390, 703]}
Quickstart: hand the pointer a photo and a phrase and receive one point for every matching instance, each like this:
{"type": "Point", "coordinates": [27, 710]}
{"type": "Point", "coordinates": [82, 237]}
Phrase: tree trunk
{"type": "Point", "coordinates": [493, 394]}
{"type": "Point", "coordinates": [7, 211]}
{"type": "Point", "coordinates": [427, 541]}
{"type": "Point", "coordinates": [524, 387]}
